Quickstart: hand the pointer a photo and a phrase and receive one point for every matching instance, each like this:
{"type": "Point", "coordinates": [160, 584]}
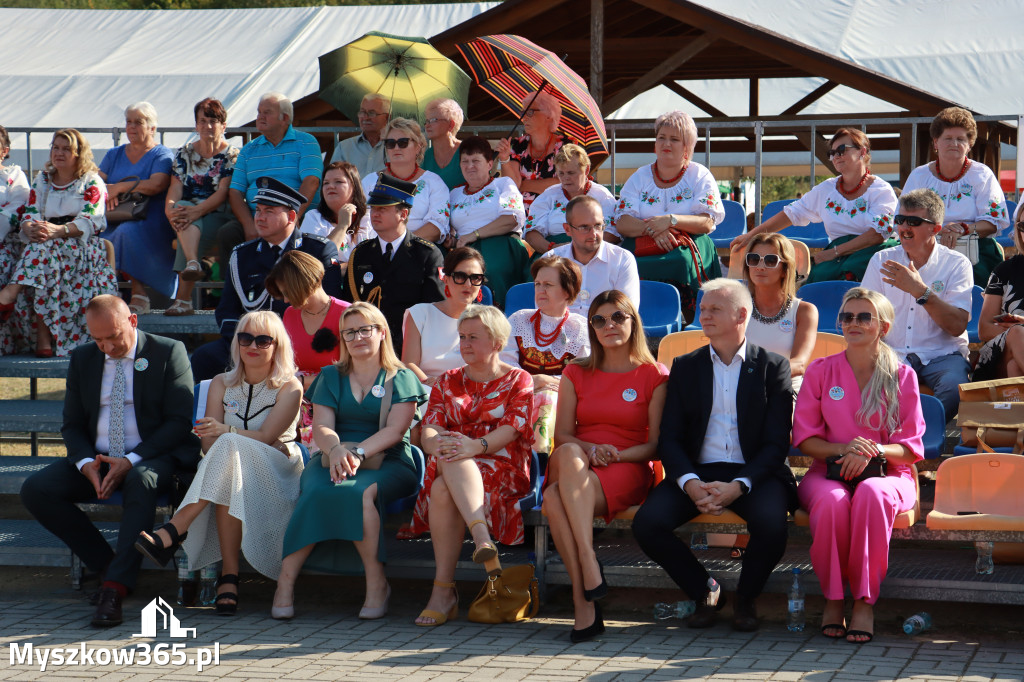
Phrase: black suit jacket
{"type": "Point", "coordinates": [764, 415]}
{"type": "Point", "coordinates": [163, 401]}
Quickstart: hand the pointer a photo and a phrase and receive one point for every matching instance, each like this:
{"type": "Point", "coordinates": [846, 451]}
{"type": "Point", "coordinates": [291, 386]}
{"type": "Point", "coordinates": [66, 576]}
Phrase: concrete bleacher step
{"type": "Point", "coordinates": [201, 322]}
{"type": "Point", "coordinates": [45, 416]}
{"type": "Point", "coordinates": [14, 470]}
{"type": "Point", "coordinates": [31, 367]}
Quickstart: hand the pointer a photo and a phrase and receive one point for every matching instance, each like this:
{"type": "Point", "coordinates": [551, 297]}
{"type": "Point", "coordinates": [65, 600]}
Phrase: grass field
{"type": "Point", "coordinates": [18, 389]}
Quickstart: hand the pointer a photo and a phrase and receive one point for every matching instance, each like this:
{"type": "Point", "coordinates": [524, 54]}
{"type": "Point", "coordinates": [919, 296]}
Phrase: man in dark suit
{"type": "Point", "coordinates": [724, 440]}
{"type": "Point", "coordinates": [277, 210]}
{"type": "Point", "coordinates": [128, 427]}
{"type": "Point", "coordinates": [397, 269]}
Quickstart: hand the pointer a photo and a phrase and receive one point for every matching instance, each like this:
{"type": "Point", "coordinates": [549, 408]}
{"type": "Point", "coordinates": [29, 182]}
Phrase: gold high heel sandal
{"type": "Point", "coordinates": [441, 618]}
{"type": "Point", "coordinates": [487, 553]}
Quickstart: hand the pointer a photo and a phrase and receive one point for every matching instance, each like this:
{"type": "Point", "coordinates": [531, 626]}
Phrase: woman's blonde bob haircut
{"type": "Point", "coordinates": [295, 277]}
{"type": "Point", "coordinates": [492, 319]}
{"type": "Point", "coordinates": [412, 129]}
{"type": "Point", "coordinates": [681, 122]}
{"type": "Point", "coordinates": [282, 362]}
{"type": "Point", "coordinates": [572, 154]}
{"type": "Point", "coordinates": [79, 147]}
{"type": "Point", "coordinates": [787, 260]}
{"type": "Point", "coordinates": [389, 362]}
{"type": "Point", "coordinates": [638, 350]}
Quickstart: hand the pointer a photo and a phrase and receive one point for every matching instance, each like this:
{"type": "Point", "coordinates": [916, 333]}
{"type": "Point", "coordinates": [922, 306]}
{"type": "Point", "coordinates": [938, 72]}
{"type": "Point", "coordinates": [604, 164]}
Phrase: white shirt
{"type": "Point", "coordinates": [315, 223]}
{"type": "Point", "coordinates": [394, 244]}
{"type": "Point", "coordinates": [695, 193]}
{"type": "Point", "coordinates": [873, 210]}
{"type": "Point", "coordinates": [976, 196]}
{"type": "Point", "coordinates": [722, 438]}
{"type": "Point", "coordinates": [470, 212]}
{"type": "Point", "coordinates": [132, 438]}
{"type": "Point", "coordinates": [429, 203]}
{"type": "Point", "coordinates": [547, 212]}
{"type": "Point", "coordinates": [612, 267]}
{"type": "Point", "coordinates": [950, 276]}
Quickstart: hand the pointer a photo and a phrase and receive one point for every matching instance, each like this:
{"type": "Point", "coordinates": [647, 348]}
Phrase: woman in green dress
{"type": "Point", "coordinates": [364, 463]}
{"type": "Point", "coordinates": [444, 118]}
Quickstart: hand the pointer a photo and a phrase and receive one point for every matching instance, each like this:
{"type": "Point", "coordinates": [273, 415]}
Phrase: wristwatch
{"type": "Point", "coordinates": [925, 296]}
{"type": "Point", "coordinates": [744, 488]}
{"type": "Point", "coordinates": [672, 220]}
{"type": "Point", "coordinates": [233, 429]}
{"type": "Point", "coordinates": [483, 441]}
{"type": "Point", "coordinates": [358, 452]}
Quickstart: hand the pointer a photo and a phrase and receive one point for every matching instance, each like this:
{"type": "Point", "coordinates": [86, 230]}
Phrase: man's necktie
{"type": "Point", "coordinates": [388, 252]}
{"type": "Point", "coordinates": [116, 435]}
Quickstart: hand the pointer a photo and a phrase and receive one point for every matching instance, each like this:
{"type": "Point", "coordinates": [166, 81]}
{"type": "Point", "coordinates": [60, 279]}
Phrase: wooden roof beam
{"type": "Point", "coordinates": [695, 99]}
{"type": "Point", "coordinates": [656, 75]}
{"type": "Point", "coordinates": [510, 13]}
{"type": "Point", "coordinates": [812, 96]}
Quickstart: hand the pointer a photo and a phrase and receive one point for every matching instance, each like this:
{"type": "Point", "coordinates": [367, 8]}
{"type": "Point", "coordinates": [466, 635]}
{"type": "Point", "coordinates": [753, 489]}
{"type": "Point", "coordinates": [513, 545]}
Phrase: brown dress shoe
{"type": "Point", "coordinates": [108, 609]}
{"type": "Point", "coordinates": [744, 614]}
{"type": "Point", "coordinates": [705, 614]}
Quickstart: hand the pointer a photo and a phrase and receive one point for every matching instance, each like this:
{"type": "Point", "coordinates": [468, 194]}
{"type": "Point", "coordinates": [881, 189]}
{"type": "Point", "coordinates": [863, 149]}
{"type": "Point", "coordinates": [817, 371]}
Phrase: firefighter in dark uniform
{"type": "Point", "coordinates": [396, 269]}
{"type": "Point", "coordinates": [277, 207]}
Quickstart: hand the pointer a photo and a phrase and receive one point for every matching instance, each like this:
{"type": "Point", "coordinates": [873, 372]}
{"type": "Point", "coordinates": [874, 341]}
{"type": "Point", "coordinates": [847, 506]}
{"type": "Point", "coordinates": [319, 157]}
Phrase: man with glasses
{"type": "Point", "coordinates": [277, 214]}
{"type": "Point", "coordinates": [366, 150]}
{"type": "Point", "coordinates": [396, 270]}
{"type": "Point", "coordinates": [604, 266]}
{"type": "Point", "coordinates": [930, 287]}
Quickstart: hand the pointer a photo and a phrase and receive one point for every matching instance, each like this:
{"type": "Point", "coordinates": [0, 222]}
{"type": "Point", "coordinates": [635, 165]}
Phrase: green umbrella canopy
{"type": "Point", "coordinates": [407, 70]}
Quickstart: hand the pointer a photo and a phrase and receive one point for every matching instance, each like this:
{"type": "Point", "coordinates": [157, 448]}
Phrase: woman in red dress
{"type": "Point", "coordinates": [606, 433]}
{"type": "Point", "coordinates": [478, 431]}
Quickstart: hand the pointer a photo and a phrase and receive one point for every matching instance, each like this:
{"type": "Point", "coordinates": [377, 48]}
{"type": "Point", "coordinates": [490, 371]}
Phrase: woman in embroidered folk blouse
{"type": "Point", "coordinates": [545, 225]}
{"type": "Point", "coordinates": [64, 263]}
{"type": "Point", "coordinates": [675, 202]}
{"type": "Point", "coordinates": [529, 161]}
{"type": "Point", "coordinates": [339, 217]}
{"type": "Point", "coordinates": [856, 207]}
{"type": "Point", "coordinates": [14, 191]}
{"type": "Point", "coordinates": [975, 204]}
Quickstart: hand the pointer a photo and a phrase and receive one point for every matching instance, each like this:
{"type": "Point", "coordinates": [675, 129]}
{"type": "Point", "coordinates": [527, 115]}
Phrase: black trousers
{"type": "Point", "coordinates": [230, 235]}
{"type": "Point", "coordinates": [51, 493]}
{"type": "Point", "coordinates": [668, 507]}
{"type": "Point", "coordinates": [211, 359]}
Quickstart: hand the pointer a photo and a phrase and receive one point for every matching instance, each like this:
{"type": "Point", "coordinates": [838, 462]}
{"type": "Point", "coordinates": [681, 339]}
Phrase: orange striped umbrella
{"type": "Point", "coordinates": [511, 68]}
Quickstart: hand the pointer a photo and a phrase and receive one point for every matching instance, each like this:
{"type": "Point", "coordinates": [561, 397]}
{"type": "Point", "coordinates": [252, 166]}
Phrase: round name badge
{"type": "Point", "coordinates": [231, 407]}
{"type": "Point", "coordinates": [629, 395]}
{"type": "Point", "coordinates": [836, 393]}
{"type": "Point", "coordinates": [584, 294]}
{"type": "Point", "coordinates": [938, 286]}
{"type": "Point", "coordinates": [377, 391]}
{"type": "Point", "coordinates": [786, 325]}
{"type": "Point", "coordinates": [367, 278]}
{"type": "Point", "coordinates": [141, 364]}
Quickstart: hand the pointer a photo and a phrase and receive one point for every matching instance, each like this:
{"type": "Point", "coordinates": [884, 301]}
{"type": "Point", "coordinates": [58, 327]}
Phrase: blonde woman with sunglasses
{"type": "Point", "coordinates": [779, 322]}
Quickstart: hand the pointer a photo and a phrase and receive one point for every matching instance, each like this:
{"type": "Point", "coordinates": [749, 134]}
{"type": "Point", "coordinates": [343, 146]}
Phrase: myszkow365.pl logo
{"type": "Point", "coordinates": [157, 615]}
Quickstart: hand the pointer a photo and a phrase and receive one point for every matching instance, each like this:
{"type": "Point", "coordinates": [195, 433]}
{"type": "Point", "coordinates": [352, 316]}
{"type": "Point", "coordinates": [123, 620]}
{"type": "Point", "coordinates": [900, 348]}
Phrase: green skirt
{"type": "Point", "coordinates": [678, 269]}
{"type": "Point", "coordinates": [989, 256]}
{"type": "Point", "coordinates": [849, 267]}
{"type": "Point", "coordinates": [507, 259]}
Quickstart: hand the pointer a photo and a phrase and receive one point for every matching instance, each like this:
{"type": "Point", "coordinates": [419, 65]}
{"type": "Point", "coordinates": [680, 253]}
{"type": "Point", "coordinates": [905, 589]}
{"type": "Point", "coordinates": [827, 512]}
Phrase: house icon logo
{"type": "Point", "coordinates": [157, 610]}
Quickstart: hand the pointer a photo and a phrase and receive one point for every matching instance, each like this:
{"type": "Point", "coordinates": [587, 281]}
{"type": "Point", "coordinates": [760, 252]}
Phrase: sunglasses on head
{"type": "Point", "coordinates": [770, 260]}
{"type": "Point", "coordinates": [911, 220]}
{"type": "Point", "coordinates": [841, 149]}
{"type": "Point", "coordinates": [460, 277]}
{"type": "Point", "coordinates": [618, 318]}
{"type": "Point", "coordinates": [361, 332]}
{"type": "Point", "coordinates": [863, 319]}
{"type": "Point", "coordinates": [401, 143]}
{"type": "Point", "coordinates": [262, 341]}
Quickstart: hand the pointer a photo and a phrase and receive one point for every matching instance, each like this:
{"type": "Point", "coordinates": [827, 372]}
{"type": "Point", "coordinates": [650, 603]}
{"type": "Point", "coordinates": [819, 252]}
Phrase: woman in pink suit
{"type": "Point", "coordinates": [874, 408]}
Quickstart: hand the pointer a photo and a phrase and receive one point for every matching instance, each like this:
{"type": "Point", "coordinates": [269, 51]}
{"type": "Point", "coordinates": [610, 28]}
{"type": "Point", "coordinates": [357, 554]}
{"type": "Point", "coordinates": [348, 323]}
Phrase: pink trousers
{"type": "Point", "coordinates": [850, 530]}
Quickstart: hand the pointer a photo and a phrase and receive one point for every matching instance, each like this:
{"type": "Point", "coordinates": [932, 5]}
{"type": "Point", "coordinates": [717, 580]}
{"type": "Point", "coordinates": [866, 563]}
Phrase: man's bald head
{"type": "Point", "coordinates": [111, 325]}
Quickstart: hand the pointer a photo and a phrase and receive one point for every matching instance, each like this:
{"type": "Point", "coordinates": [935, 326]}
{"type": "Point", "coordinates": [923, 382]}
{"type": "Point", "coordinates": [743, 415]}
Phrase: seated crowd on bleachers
{"type": "Point", "coordinates": [356, 331]}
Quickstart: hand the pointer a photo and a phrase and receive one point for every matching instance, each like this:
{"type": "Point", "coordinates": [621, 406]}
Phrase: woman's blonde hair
{"type": "Point", "coordinates": [572, 153]}
{"type": "Point", "coordinates": [638, 350]}
{"type": "Point", "coordinates": [407, 125]}
{"type": "Point", "coordinates": [787, 260]}
{"type": "Point", "coordinates": [450, 109]}
{"type": "Point", "coordinates": [389, 362]}
{"type": "Point", "coordinates": [79, 147]}
{"type": "Point", "coordinates": [881, 395]}
{"type": "Point", "coordinates": [548, 104]}
{"type": "Point", "coordinates": [492, 319]}
{"type": "Point", "coordinates": [681, 121]}
{"type": "Point", "coordinates": [146, 110]}
{"type": "Point", "coordinates": [295, 277]}
{"type": "Point", "coordinates": [282, 362]}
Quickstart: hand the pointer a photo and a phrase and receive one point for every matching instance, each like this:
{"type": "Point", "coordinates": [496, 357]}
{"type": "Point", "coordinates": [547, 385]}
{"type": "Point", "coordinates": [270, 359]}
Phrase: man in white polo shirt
{"type": "Point", "coordinates": [604, 266]}
{"type": "Point", "coordinates": [930, 288]}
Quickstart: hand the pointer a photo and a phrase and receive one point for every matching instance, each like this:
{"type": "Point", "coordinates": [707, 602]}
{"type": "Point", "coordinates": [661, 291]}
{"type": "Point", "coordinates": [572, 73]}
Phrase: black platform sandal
{"type": "Point", "coordinates": [227, 608]}
{"type": "Point", "coordinates": [150, 544]}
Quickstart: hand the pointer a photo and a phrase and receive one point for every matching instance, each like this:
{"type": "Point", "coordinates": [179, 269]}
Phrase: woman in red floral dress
{"type": "Point", "coordinates": [478, 430]}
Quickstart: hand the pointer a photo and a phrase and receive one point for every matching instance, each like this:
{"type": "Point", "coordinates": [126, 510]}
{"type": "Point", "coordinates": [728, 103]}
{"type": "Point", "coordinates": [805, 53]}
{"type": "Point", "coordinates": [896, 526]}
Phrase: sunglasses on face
{"type": "Point", "coordinates": [911, 220]}
{"type": "Point", "coordinates": [862, 319]}
{"type": "Point", "coordinates": [401, 143]}
{"type": "Point", "coordinates": [262, 341]}
{"type": "Point", "coordinates": [770, 260]}
{"type": "Point", "coordinates": [618, 318]}
{"type": "Point", "coordinates": [460, 277]}
{"type": "Point", "coordinates": [1020, 226]}
{"type": "Point", "coordinates": [841, 149]}
{"type": "Point", "coordinates": [361, 332]}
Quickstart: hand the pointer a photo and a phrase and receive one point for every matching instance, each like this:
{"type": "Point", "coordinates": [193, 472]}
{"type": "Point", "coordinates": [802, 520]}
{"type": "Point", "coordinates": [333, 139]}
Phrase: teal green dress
{"type": "Point", "coordinates": [332, 515]}
{"type": "Point", "coordinates": [451, 174]}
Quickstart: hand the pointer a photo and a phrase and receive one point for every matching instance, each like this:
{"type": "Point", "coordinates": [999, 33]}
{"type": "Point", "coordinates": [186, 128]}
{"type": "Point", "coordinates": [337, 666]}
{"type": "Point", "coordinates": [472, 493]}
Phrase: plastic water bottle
{"type": "Point", "coordinates": [208, 585]}
{"type": "Point", "coordinates": [187, 583]}
{"type": "Point", "coordinates": [917, 623]}
{"type": "Point", "coordinates": [795, 622]}
{"type": "Point", "coordinates": [714, 592]}
{"type": "Point", "coordinates": [681, 609]}
{"type": "Point", "coordinates": [984, 565]}
{"type": "Point", "coordinates": [698, 541]}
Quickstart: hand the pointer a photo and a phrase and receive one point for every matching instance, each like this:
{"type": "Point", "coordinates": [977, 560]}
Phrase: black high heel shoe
{"type": "Point", "coordinates": [152, 546]}
{"type": "Point", "coordinates": [591, 631]}
{"type": "Point", "coordinates": [599, 592]}
{"type": "Point", "coordinates": [229, 606]}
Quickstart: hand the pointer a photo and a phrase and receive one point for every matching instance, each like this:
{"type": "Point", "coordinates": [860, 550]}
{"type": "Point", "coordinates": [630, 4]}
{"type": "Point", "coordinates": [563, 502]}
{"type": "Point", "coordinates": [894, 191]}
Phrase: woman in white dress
{"type": "Point", "coordinates": [250, 472]}
{"type": "Point", "coordinates": [780, 322]}
{"type": "Point", "coordinates": [975, 204]}
{"type": "Point", "coordinates": [404, 147]}
{"type": "Point", "coordinates": [545, 225]}
{"type": "Point", "coordinates": [14, 191]}
{"type": "Point", "coordinates": [339, 217]}
{"type": "Point", "coordinates": [856, 208]}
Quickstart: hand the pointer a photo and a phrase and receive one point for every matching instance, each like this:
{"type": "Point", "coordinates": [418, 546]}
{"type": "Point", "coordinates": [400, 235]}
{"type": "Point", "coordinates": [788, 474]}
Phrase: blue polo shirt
{"type": "Point", "coordinates": [295, 158]}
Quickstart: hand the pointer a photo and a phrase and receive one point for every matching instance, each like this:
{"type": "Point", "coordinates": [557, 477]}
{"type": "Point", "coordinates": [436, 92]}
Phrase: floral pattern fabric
{"type": "Point", "coordinates": [547, 213]}
{"type": "Point", "coordinates": [470, 212]}
{"type": "Point", "coordinates": [873, 210]}
{"type": "Point", "coordinates": [474, 409]}
{"type": "Point", "coordinates": [429, 203]}
{"type": "Point", "coordinates": [14, 191]}
{"type": "Point", "coordinates": [1006, 282]}
{"type": "Point", "coordinates": [200, 178]}
{"type": "Point", "coordinates": [535, 169]}
{"type": "Point", "coordinates": [695, 193]}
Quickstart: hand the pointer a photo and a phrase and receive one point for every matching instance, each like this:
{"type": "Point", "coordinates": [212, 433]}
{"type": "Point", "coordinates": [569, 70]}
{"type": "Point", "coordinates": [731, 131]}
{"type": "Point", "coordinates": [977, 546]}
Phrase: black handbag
{"type": "Point", "coordinates": [877, 467]}
{"type": "Point", "coordinates": [131, 205]}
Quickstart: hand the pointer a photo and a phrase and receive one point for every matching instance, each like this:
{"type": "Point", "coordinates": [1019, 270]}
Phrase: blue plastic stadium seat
{"type": "Point", "coordinates": [1006, 240]}
{"type": "Point", "coordinates": [962, 449]}
{"type": "Point", "coordinates": [934, 426]}
{"type": "Point", "coordinates": [977, 298]}
{"type": "Point", "coordinates": [660, 308]}
{"type": "Point", "coordinates": [535, 496]}
{"type": "Point", "coordinates": [827, 298]}
{"type": "Point", "coordinates": [734, 225]}
{"type": "Point", "coordinates": [398, 506]}
{"type": "Point", "coordinates": [696, 314]}
{"type": "Point", "coordinates": [812, 234]}
{"type": "Point", "coordinates": [519, 297]}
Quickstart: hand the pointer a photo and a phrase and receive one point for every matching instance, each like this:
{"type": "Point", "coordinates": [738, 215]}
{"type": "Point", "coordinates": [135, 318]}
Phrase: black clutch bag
{"type": "Point", "coordinates": [877, 467]}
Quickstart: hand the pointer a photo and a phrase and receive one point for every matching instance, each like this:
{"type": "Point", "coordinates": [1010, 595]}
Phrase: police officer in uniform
{"type": "Point", "coordinates": [277, 207]}
{"type": "Point", "coordinates": [397, 269]}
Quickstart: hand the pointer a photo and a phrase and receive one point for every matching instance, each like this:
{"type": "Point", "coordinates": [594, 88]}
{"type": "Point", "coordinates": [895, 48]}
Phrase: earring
{"type": "Point", "coordinates": [480, 295]}
{"type": "Point", "coordinates": [447, 292]}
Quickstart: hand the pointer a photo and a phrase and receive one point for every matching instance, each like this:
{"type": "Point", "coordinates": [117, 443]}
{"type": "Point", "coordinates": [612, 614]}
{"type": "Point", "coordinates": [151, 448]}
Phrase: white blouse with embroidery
{"type": "Point", "coordinates": [547, 212]}
{"type": "Point", "coordinates": [429, 203]}
{"type": "Point", "coordinates": [873, 210]}
{"type": "Point", "coordinates": [315, 223]}
{"type": "Point", "coordinates": [14, 191]}
{"type": "Point", "coordinates": [573, 341]}
{"type": "Point", "coordinates": [84, 198]}
{"type": "Point", "coordinates": [976, 196]}
{"type": "Point", "coordinates": [470, 212]}
{"type": "Point", "coordinates": [695, 193]}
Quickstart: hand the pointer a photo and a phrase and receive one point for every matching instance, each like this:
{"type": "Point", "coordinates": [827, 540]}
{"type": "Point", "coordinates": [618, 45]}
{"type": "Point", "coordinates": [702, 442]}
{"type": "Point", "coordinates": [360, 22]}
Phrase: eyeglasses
{"type": "Point", "coordinates": [596, 227]}
{"type": "Point", "coordinates": [842, 149]}
{"type": "Point", "coordinates": [529, 113]}
{"type": "Point", "coordinates": [862, 319]}
{"type": "Point", "coordinates": [361, 332]}
{"type": "Point", "coordinates": [435, 120]}
{"type": "Point", "coordinates": [911, 220]}
{"type": "Point", "coordinates": [371, 113]}
{"type": "Point", "coordinates": [245, 339]}
{"type": "Point", "coordinates": [401, 143]}
{"type": "Point", "coordinates": [618, 318]}
{"type": "Point", "coordinates": [770, 260]}
{"type": "Point", "coordinates": [460, 277]}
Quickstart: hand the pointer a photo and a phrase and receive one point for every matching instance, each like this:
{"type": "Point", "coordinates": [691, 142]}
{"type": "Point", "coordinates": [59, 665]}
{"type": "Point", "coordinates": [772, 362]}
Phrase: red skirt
{"type": "Point", "coordinates": [624, 484]}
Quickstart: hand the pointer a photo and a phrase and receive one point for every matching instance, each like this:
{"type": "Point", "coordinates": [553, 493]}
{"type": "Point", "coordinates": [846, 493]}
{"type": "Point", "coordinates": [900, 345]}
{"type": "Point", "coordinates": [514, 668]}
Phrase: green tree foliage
{"type": "Point", "coordinates": [787, 187]}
